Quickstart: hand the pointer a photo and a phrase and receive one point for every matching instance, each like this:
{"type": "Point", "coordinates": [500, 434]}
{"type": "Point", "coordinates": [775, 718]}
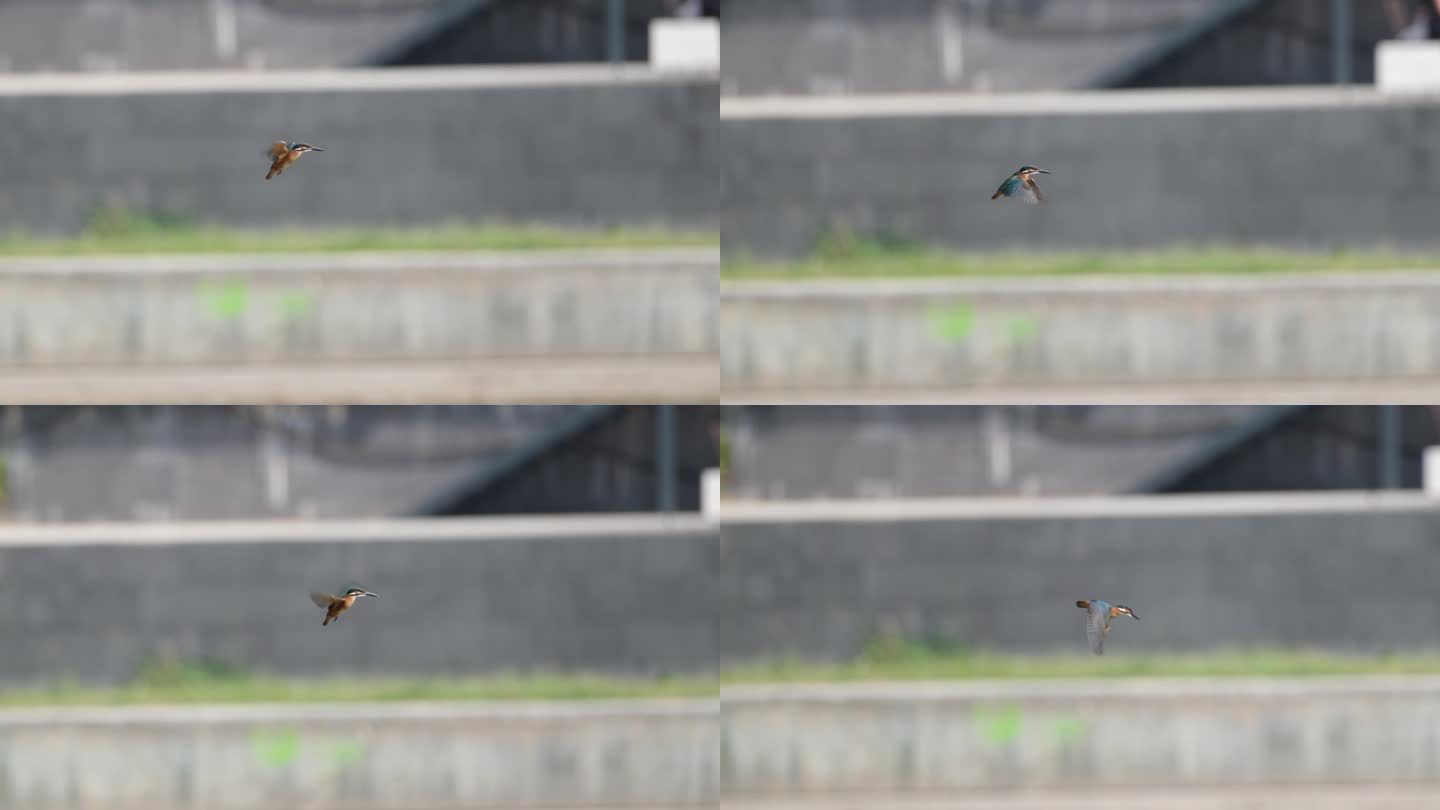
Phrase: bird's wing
{"type": "Point", "coordinates": [1033, 195]}
{"type": "Point", "coordinates": [276, 149]}
{"type": "Point", "coordinates": [1095, 629]}
{"type": "Point", "coordinates": [324, 600]}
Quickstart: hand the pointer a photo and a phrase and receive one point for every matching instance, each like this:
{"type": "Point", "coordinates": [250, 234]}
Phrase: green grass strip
{"type": "Point", "coordinates": [847, 258]}
{"type": "Point", "coordinates": [119, 231]}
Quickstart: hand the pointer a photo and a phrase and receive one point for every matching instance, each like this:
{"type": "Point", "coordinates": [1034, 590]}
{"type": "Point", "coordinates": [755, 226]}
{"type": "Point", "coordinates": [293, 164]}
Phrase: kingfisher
{"type": "Point", "coordinates": [335, 605]}
{"type": "Point", "coordinates": [282, 155]}
{"type": "Point", "coordinates": [1097, 623]}
{"type": "Point", "coordinates": [1022, 182]}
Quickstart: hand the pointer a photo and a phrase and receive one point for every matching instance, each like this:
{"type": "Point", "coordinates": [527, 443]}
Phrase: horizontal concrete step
{"type": "Point", "coordinates": [225, 311]}
{"type": "Point", "coordinates": [659, 754]}
{"type": "Point", "coordinates": [886, 738]}
{"type": "Point", "coordinates": [993, 338]}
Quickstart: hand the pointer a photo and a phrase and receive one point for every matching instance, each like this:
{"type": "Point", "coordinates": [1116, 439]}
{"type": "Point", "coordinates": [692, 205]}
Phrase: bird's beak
{"type": "Point", "coordinates": [1041, 171]}
{"type": "Point", "coordinates": [376, 595]}
{"type": "Point", "coordinates": [1133, 616]}
{"type": "Point", "coordinates": [318, 149]}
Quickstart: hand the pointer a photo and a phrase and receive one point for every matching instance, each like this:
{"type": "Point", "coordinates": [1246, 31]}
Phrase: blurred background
{"type": "Point", "coordinates": [1220, 171]}
{"type": "Point", "coordinates": [493, 174]}
{"type": "Point", "coordinates": [542, 636]}
{"type": "Point", "coordinates": [901, 628]}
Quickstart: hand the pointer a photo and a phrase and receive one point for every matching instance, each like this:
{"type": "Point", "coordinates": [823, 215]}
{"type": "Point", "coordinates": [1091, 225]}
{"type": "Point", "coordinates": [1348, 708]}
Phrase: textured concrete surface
{"type": "Point", "coordinates": [938, 45]}
{"type": "Point", "coordinates": [1317, 168]}
{"type": "Point", "coordinates": [1259, 392]}
{"type": "Point", "coordinates": [612, 593]}
{"type": "Point", "coordinates": [539, 381]}
{"type": "Point", "coordinates": [820, 579]}
{"type": "Point", "coordinates": [1330, 797]}
{"type": "Point", "coordinates": [222, 311]}
{"type": "Point", "coordinates": [958, 336]}
{"type": "Point", "coordinates": [849, 451]}
{"type": "Point", "coordinates": [591, 145]}
{"type": "Point", "coordinates": [362, 757]}
{"type": "Point", "coordinates": [882, 738]}
{"type": "Point", "coordinates": [77, 464]}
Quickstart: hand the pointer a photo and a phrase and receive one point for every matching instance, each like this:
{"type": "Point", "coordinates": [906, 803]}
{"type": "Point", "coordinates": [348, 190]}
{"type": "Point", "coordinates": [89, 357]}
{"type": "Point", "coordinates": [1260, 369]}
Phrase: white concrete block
{"type": "Point", "coordinates": [685, 45]}
{"type": "Point", "coordinates": [1432, 471]}
{"type": "Point", "coordinates": [1406, 66]}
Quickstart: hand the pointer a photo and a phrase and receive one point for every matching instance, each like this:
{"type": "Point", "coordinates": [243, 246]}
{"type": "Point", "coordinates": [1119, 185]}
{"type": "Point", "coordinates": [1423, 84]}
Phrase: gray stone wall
{"type": "Point", "coordinates": [569, 145]}
{"type": "Point", "coordinates": [1334, 571]}
{"type": "Point", "coordinates": [610, 594]}
{"type": "Point", "coordinates": [1314, 168]}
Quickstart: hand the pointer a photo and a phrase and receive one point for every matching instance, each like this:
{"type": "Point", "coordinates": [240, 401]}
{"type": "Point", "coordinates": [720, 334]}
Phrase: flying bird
{"type": "Point", "coordinates": [335, 605]}
{"type": "Point", "coordinates": [283, 155]}
{"type": "Point", "coordinates": [1022, 182]}
{"type": "Point", "coordinates": [1097, 622]}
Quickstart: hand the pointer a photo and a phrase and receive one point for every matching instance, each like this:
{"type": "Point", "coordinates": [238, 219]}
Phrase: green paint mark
{"type": "Point", "coordinates": [227, 301]}
{"type": "Point", "coordinates": [1021, 328]}
{"type": "Point", "coordinates": [347, 753]}
{"type": "Point", "coordinates": [278, 750]}
{"type": "Point", "coordinates": [998, 726]}
{"type": "Point", "coordinates": [295, 304]}
{"type": "Point", "coordinates": [1069, 728]}
{"type": "Point", "coordinates": [954, 323]}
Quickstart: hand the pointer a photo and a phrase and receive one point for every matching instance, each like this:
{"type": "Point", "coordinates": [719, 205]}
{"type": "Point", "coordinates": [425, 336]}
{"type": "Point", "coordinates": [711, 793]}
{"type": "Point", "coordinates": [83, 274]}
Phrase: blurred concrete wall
{"type": "Point", "coordinates": [77, 463]}
{"type": "Point", "coordinates": [1050, 335]}
{"type": "Point", "coordinates": [465, 596]}
{"type": "Point", "coordinates": [1082, 735]}
{"type": "Point", "coordinates": [1340, 571]}
{"type": "Point", "coordinates": [186, 462]}
{"type": "Point", "coordinates": [886, 451]}
{"type": "Point", "coordinates": [911, 46]}
{"type": "Point", "coordinates": [363, 757]}
{"type": "Point", "coordinates": [883, 451]}
{"type": "Point", "coordinates": [588, 146]}
{"type": "Point", "coordinates": [1313, 168]}
{"type": "Point", "coordinates": [223, 310]}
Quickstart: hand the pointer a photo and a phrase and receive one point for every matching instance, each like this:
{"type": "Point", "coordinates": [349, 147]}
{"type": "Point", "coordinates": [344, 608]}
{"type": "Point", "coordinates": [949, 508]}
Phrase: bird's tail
{"type": "Point", "coordinates": [274, 170]}
{"type": "Point", "coordinates": [328, 617]}
{"type": "Point", "coordinates": [1082, 603]}
{"type": "Point", "coordinates": [995, 196]}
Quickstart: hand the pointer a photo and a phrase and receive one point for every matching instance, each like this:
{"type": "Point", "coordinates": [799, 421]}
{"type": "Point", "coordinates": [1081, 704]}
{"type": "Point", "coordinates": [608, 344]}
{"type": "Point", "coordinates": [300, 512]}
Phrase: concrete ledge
{"type": "Point", "coordinates": [636, 380]}
{"type": "Point", "coordinates": [944, 335]}
{"type": "Point", "coordinates": [1108, 506]}
{"type": "Point", "coordinates": [1419, 391]}
{"type": "Point", "coordinates": [1084, 736]}
{"type": "Point", "coordinates": [1094, 102]}
{"type": "Point", "coordinates": [142, 82]}
{"type": "Point", "coordinates": [634, 754]}
{"type": "Point", "coordinates": [480, 529]}
{"type": "Point", "coordinates": [1328, 797]}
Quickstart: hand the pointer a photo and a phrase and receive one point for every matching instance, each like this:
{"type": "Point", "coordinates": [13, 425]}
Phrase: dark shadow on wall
{"type": "Point", "coordinates": [606, 459]}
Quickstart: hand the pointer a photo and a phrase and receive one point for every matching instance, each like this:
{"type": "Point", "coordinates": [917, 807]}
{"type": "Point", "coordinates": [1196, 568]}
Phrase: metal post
{"type": "Point", "coordinates": [1389, 446]}
{"type": "Point", "coordinates": [665, 458]}
{"type": "Point", "coordinates": [1340, 38]}
{"type": "Point", "coordinates": [615, 30]}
